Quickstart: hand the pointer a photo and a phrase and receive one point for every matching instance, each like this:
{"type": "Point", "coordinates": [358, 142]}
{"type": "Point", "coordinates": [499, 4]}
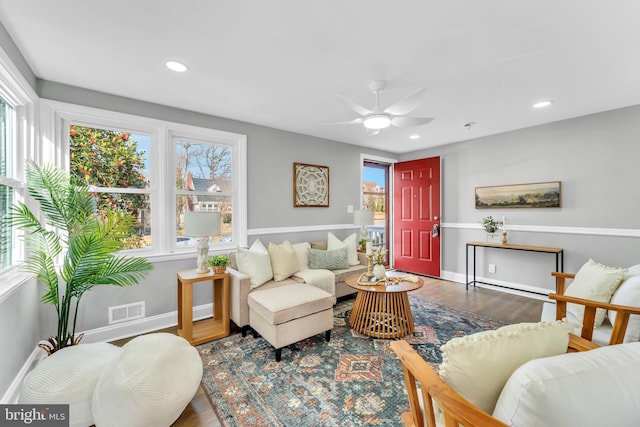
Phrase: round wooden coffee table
{"type": "Point", "coordinates": [382, 311]}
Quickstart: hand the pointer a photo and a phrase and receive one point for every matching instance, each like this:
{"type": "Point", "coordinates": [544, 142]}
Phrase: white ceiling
{"type": "Point", "coordinates": [279, 62]}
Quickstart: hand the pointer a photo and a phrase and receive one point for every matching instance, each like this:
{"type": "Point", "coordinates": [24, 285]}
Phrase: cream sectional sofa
{"type": "Point", "coordinates": [241, 284]}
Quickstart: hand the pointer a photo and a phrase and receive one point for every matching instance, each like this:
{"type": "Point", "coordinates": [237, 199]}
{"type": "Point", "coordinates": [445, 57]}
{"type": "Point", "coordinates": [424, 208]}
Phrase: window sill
{"type": "Point", "coordinates": [11, 280]}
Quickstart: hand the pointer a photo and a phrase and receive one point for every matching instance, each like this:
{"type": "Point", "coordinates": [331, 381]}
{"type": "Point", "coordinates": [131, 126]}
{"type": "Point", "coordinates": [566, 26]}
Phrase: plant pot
{"type": "Point", "coordinates": [379, 271]}
{"type": "Point", "coordinates": [219, 269]}
{"type": "Point", "coordinates": [493, 237]}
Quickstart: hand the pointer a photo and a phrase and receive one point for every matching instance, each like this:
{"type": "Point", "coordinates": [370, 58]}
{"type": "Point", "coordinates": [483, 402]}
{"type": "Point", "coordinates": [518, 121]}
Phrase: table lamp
{"type": "Point", "coordinates": [363, 218]}
{"type": "Point", "coordinates": [202, 225]}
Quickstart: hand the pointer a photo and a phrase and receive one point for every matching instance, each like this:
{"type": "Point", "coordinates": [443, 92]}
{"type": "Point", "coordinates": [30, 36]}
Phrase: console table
{"type": "Point", "coordinates": [208, 329]}
{"type": "Point", "coordinates": [558, 252]}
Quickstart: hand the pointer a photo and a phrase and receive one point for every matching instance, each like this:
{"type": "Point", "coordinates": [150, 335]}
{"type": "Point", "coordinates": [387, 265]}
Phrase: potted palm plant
{"type": "Point", "coordinates": [72, 246]}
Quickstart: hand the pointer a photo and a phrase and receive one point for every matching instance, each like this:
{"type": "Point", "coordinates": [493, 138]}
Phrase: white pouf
{"type": "Point", "coordinates": [148, 384]}
{"type": "Point", "coordinates": [69, 376]}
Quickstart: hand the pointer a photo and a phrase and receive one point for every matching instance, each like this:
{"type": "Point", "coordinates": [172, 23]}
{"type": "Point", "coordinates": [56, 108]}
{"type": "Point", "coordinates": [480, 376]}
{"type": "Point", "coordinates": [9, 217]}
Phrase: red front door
{"type": "Point", "coordinates": [416, 216]}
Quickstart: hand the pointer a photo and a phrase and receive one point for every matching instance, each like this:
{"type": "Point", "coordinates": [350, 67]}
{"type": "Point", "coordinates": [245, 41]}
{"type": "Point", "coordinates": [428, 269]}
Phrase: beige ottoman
{"type": "Point", "coordinates": [287, 314]}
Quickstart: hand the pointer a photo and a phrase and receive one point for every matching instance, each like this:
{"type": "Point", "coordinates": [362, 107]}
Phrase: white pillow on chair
{"type": "Point", "coordinates": [594, 281]}
{"type": "Point", "coordinates": [590, 388]}
{"type": "Point", "coordinates": [628, 293]}
{"type": "Point", "coordinates": [477, 366]}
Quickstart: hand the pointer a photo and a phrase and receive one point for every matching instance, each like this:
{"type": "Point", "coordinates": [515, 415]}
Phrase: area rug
{"type": "Point", "coordinates": [352, 380]}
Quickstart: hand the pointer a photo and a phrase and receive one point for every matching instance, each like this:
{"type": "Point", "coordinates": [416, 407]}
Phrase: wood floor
{"type": "Point", "coordinates": [499, 305]}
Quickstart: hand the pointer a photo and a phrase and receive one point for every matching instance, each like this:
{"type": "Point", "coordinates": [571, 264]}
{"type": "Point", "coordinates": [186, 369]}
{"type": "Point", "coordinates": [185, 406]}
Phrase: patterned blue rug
{"type": "Point", "coordinates": [352, 380]}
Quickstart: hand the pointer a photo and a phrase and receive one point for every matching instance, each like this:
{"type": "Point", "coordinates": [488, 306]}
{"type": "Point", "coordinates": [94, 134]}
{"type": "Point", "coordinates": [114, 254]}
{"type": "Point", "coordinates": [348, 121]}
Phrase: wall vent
{"type": "Point", "coordinates": [124, 313]}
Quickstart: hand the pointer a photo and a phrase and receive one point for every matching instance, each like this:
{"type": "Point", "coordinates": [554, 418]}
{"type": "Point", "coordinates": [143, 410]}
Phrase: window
{"type": "Point", "coordinates": [115, 164]}
{"type": "Point", "coordinates": [375, 197]}
{"type": "Point", "coordinates": [7, 183]}
{"type": "Point", "coordinates": [155, 170]}
{"type": "Point", "coordinates": [204, 172]}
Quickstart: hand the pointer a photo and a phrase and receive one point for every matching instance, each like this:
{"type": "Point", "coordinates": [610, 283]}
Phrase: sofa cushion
{"type": "Point", "coordinates": [284, 303]}
{"type": "Point", "coordinates": [477, 366]}
{"type": "Point", "coordinates": [351, 243]}
{"type": "Point", "coordinates": [592, 388]}
{"type": "Point", "coordinates": [628, 293]}
{"type": "Point", "coordinates": [302, 252]}
{"type": "Point", "coordinates": [284, 261]}
{"type": "Point", "coordinates": [594, 281]}
{"type": "Point", "coordinates": [328, 260]}
{"type": "Point", "coordinates": [255, 263]}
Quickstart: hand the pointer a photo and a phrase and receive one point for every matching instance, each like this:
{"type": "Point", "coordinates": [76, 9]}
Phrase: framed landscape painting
{"type": "Point", "coordinates": [310, 185]}
{"type": "Point", "coordinates": [536, 195]}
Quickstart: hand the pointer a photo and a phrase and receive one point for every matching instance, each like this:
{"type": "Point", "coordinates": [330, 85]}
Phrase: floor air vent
{"type": "Point", "coordinates": [123, 313]}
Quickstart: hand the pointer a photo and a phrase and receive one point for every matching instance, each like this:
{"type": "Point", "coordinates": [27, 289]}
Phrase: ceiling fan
{"type": "Point", "coordinates": [377, 119]}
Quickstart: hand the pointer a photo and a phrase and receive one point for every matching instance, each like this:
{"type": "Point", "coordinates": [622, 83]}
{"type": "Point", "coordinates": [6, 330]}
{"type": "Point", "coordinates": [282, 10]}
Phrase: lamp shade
{"type": "Point", "coordinates": [363, 217]}
{"type": "Point", "coordinates": [201, 224]}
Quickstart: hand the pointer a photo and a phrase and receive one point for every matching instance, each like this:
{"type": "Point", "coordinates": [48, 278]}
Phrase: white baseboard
{"type": "Point", "coordinates": [511, 288]}
{"type": "Point", "coordinates": [13, 392]}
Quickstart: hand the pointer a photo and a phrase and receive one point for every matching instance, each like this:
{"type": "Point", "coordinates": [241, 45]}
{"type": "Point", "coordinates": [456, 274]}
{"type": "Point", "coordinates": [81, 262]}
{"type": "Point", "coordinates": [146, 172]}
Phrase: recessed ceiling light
{"type": "Point", "coordinates": [542, 104]}
{"type": "Point", "coordinates": [414, 137]}
{"type": "Point", "coordinates": [176, 66]}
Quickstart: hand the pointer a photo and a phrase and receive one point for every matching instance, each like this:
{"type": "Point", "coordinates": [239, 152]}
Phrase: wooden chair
{"type": "Point", "coordinates": [622, 312]}
{"type": "Point", "coordinates": [456, 409]}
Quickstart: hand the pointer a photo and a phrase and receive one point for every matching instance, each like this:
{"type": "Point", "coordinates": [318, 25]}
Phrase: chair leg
{"type": "Point", "coordinates": [327, 335]}
{"type": "Point", "coordinates": [278, 354]}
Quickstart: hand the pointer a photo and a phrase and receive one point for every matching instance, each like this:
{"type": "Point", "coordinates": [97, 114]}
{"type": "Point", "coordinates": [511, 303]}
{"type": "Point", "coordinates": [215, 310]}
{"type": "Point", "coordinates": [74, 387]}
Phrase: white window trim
{"type": "Point", "coordinates": [16, 90]}
{"type": "Point", "coordinates": [56, 116]}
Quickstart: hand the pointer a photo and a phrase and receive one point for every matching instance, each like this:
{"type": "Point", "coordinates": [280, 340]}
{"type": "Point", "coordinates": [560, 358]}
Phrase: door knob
{"type": "Point", "coordinates": [435, 218]}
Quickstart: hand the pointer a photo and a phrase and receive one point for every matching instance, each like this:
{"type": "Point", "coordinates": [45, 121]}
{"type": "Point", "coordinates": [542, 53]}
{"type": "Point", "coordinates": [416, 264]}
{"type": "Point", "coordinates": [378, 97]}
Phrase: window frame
{"type": "Point", "coordinates": [16, 92]}
{"type": "Point", "coordinates": [60, 116]}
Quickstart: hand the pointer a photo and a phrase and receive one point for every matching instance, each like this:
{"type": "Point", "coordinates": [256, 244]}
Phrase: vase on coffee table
{"type": "Point", "coordinates": [379, 271]}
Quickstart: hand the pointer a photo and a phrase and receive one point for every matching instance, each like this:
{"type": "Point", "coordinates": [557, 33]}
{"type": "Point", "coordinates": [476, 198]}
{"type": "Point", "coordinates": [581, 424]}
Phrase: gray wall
{"type": "Point", "coordinates": [596, 159]}
{"type": "Point", "coordinates": [270, 157]}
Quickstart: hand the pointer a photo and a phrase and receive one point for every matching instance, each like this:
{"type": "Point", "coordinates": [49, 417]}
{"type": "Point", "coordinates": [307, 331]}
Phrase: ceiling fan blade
{"type": "Point", "coordinates": [355, 107]}
{"type": "Point", "coordinates": [405, 122]}
{"type": "Point", "coordinates": [348, 122]}
{"type": "Point", "coordinates": [406, 105]}
{"type": "Point", "coordinates": [373, 131]}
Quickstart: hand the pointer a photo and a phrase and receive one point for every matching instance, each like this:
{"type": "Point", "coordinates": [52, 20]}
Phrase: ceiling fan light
{"type": "Point", "coordinates": [377, 121]}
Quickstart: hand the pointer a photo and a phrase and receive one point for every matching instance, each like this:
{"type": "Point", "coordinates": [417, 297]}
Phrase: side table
{"type": "Point", "coordinates": [205, 330]}
{"type": "Point", "coordinates": [382, 311]}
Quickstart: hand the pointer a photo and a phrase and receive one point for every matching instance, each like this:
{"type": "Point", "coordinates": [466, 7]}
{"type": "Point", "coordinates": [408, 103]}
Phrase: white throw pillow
{"type": "Point", "coordinates": [255, 263]}
{"type": "Point", "coordinates": [634, 270]}
{"type": "Point", "coordinates": [69, 376]}
{"type": "Point", "coordinates": [594, 281]}
{"type": "Point", "coordinates": [628, 293]}
{"type": "Point", "coordinates": [351, 243]}
{"type": "Point", "coordinates": [302, 250]}
{"type": "Point", "coordinates": [477, 366]}
{"type": "Point", "coordinates": [591, 388]}
{"type": "Point", "coordinates": [284, 261]}
{"type": "Point", "coordinates": [148, 384]}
